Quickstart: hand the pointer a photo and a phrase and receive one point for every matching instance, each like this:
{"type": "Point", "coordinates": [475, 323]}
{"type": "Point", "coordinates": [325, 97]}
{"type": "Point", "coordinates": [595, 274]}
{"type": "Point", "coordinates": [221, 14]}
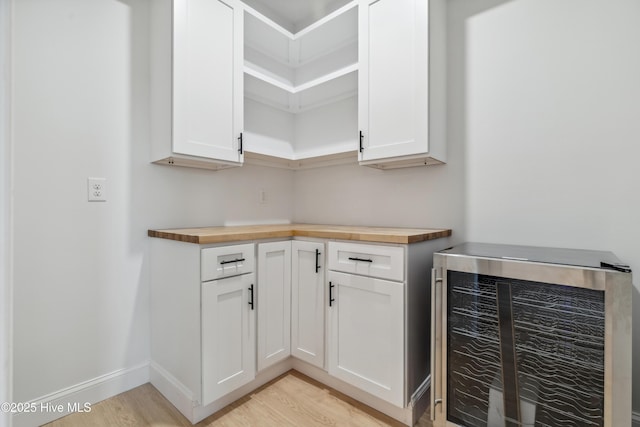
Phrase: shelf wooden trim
{"type": "Point", "coordinates": [319, 160]}
{"type": "Point", "coordinates": [294, 107]}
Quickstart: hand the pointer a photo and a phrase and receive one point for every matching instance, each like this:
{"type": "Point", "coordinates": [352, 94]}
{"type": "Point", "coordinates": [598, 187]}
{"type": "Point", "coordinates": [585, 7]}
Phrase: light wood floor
{"type": "Point", "coordinates": [289, 400]}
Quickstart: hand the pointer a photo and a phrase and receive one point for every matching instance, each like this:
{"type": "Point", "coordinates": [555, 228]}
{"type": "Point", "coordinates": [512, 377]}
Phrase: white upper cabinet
{"type": "Point", "coordinates": [298, 84]}
{"type": "Point", "coordinates": [401, 103]}
{"type": "Point", "coordinates": [197, 82]}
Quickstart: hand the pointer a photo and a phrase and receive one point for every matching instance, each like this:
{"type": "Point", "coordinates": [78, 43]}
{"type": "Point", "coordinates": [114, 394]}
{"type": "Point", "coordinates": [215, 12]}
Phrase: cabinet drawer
{"type": "Point", "coordinates": [385, 262]}
{"type": "Point", "coordinates": [227, 261]}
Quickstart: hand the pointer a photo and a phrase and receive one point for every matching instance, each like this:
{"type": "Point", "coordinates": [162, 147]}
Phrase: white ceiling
{"type": "Point", "coordinates": [294, 15]}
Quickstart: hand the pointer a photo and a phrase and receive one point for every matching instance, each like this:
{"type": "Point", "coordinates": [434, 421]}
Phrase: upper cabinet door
{"type": "Point", "coordinates": [393, 83]}
{"type": "Point", "coordinates": [208, 78]}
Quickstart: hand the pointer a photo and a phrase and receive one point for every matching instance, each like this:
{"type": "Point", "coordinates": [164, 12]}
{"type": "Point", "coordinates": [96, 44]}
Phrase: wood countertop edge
{"type": "Point", "coordinates": [203, 239]}
{"type": "Point", "coordinates": [254, 235]}
{"type": "Point", "coordinates": [376, 234]}
{"type": "Point", "coordinates": [373, 237]}
{"type": "Point", "coordinates": [173, 236]}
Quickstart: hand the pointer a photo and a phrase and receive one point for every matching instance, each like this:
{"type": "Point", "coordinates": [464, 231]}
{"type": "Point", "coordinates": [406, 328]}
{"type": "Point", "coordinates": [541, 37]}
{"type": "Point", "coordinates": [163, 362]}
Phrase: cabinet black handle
{"type": "Point", "coordinates": [360, 259]}
{"type": "Point", "coordinates": [331, 299]}
{"type": "Point", "coordinates": [232, 261]}
{"type": "Point", "coordinates": [240, 147]}
{"type": "Point", "coordinates": [361, 138]}
{"type": "Point", "coordinates": [317, 259]}
{"type": "Point", "coordinates": [251, 296]}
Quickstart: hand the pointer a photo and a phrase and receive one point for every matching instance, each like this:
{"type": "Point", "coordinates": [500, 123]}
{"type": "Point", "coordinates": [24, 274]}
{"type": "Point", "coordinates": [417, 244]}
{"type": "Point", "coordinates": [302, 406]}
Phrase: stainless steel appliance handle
{"type": "Point", "coordinates": [435, 372]}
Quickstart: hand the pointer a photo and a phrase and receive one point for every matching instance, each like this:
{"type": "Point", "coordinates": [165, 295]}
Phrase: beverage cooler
{"type": "Point", "coordinates": [525, 336]}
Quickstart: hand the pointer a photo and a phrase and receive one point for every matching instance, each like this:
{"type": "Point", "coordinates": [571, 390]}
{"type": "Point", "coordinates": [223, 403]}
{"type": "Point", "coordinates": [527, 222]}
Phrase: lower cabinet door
{"type": "Point", "coordinates": [366, 334]}
{"type": "Point", "coordinates": [228, 335]}
{"type": "Point", "coordinates": [274, 302]}
{"type": "Point", "coordinates": [307, 302]}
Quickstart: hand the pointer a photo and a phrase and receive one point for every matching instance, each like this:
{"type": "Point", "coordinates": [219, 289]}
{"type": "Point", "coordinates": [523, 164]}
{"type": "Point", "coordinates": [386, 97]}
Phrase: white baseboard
{"type": "Point", "coordinates": [404, 415]}
{"type": "Point", "coordinates": [175, 392]}
{"type": "Point", "coordinates": [263, 377]}
{"type": "Point", "coordinates": [186, 401]}
{"type": "Point", "coordinates": [73, 399]}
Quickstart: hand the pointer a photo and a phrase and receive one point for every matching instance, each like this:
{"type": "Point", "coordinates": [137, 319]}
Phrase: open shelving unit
{"type": "Point", "coordinates": [301, 90]}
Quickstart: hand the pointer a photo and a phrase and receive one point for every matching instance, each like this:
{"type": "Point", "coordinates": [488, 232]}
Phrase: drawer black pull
{"type": "Point", "coordinates": [240, 144]}
{"type": "Point", "coordinates": [232, 261]}
{"type": "Point", "coordinates": [251, 296]}
{"type": "Point", "coordinates": [317, 258]}
{"type": "Point", "coordinates": [360, 259]}
{"type": "Point", "coordinates": [331, 299]}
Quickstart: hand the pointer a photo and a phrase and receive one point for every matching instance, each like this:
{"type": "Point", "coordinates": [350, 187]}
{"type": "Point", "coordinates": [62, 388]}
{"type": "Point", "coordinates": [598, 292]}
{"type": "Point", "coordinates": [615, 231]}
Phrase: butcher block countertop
{"type": "Point", "coordinates": [207, 235]}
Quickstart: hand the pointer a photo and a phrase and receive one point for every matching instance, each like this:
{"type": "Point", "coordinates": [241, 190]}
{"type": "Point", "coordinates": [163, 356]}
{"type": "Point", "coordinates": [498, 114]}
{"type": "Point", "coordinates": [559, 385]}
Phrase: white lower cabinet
{"type": "Point", "coordinates": [379, 319]}
{"type": "Point", "coordinates": [366, 334]}
{"type": "Point", "coordinates": [291, 302]}
{"type": "Point", "coordinates": [308, 302]}
{"type": "Point", "coordinates": [203, 322]}
{"type": "Point", "coordinates": [228, 335]}
{"type": "Point", "coordinates": [274, 303]}
{"type": "Point", "coordinates": [224, 322]}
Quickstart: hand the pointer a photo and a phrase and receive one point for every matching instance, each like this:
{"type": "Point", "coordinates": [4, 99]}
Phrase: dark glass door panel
{"type": "Point", "coordinates": [523, 353]}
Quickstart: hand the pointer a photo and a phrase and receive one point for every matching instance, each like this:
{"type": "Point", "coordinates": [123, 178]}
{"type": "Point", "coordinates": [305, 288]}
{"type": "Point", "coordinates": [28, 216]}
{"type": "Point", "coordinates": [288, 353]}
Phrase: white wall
{"type": "Point", "coordinates": [545, 95]}
{"type": "Point", "coordinates": [5, 211]}
{"type": "Point", "coordinates": [81, 109]}
{"type": "Point", "coordinates": [356, 195]}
